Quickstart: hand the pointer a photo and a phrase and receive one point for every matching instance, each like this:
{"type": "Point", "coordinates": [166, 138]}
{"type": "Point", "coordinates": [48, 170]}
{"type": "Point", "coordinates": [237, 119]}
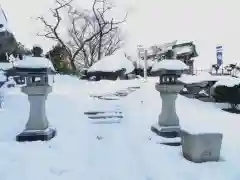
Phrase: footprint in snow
{"type": "Point", "coordinates": [99, 137]}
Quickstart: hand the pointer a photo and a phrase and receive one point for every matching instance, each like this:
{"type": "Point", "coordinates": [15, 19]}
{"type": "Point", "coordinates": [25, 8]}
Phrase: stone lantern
{"type": "Point", "coordinates": [168, 70]}
{"type": "Point", "coordinates": [36, 71]}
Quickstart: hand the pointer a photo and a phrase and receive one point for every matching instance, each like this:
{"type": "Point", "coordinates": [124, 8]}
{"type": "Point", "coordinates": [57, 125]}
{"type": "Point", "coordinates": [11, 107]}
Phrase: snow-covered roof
{"type": "Point", "coordinates": [157, 49]}
{"type": "Point", "coordinates": [169, 64]}
{"type": "Point", "coordinates": [191, 79]}
{"type": "Point", "coordinates": [113, 63]}
{"type": "Point", "coordinates": [182, 50]}
{"type": "Point", "coordinates": [34, 63]}
{"type": "Point", "coordinates": [230, 82]}
{"type": "Point", "coordinates": [205, 77]}
{"type": "Point", "coordinates": [5, 65]}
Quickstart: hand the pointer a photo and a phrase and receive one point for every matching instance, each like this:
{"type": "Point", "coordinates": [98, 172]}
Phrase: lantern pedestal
{"type": "Point", "coordinates": [36, 135]}
{"type": "Point", "coordinates": [168, 121]}
{"type": "Point", "coordinates": [37, 127]}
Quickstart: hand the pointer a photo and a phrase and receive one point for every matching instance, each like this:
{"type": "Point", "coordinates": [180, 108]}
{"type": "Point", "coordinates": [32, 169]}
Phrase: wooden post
{"type": "Point", "coordinates": [145, 64]}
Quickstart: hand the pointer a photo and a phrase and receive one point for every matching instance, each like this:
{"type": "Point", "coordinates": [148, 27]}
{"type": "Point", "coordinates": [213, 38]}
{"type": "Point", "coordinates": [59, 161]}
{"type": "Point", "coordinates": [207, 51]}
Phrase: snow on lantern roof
{"type": "Point", "coordinates": [34, 63]}
{"type": "Point", "coordinates": [169, 64]}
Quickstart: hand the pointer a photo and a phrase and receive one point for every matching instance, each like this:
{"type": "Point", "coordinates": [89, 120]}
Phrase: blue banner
{"type": "Point", "coordinates": [219, 55]}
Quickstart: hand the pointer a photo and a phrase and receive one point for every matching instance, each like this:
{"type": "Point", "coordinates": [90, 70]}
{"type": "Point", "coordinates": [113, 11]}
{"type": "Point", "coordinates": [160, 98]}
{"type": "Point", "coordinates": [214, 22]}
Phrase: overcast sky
{"type": "Point", "coordinates": [208, 22]}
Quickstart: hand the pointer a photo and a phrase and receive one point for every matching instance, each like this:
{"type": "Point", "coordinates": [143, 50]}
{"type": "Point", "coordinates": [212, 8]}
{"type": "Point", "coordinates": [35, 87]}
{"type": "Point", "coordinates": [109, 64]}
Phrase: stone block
{"type": "Point", "coordinates": [202, 147]}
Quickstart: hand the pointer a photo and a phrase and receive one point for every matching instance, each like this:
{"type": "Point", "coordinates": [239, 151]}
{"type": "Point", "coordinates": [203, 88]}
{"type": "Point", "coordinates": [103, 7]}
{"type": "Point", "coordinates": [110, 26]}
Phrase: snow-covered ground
{"type": "Point", "coordinates": [121, 151]}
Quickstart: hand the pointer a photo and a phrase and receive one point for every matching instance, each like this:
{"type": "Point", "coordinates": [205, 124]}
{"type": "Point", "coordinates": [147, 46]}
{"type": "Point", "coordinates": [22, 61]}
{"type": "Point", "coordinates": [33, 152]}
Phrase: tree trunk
{"type": "Point", "coordinates": [86, 64]}
{"type": "Point", "coordinates": [100, 45]}
{"type": "Point", "coordinates": [73, 66]}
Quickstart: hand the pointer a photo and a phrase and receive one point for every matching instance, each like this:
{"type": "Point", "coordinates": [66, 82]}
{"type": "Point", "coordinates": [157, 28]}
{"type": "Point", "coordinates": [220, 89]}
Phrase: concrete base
{"type": "Point", "coordinates": [36, 135]}
{"type": "Point", "coordinates": [166, 131]}
{"type": "Point", "coordinates": [202, 147]}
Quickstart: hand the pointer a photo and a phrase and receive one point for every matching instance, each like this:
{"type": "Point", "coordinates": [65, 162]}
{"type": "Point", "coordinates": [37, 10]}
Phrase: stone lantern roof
{"type": "Point", "coordinates": [168, 71]}
{"type": "Point", "coordinates": [169, 66]}
{"type": "Point", "coordinates": [32, 66]}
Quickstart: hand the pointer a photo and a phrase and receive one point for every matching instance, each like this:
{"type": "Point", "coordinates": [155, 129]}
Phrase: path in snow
{"type": "Point", "coordinates": [109, 116]}
{"type": "Point", "coordinates": [112, 154]}
{"type": "Point", "coordinates": [116, 95]}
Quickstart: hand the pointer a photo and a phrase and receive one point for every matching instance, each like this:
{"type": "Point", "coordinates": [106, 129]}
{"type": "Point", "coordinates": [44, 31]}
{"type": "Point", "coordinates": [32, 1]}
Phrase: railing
{"type": "Point", "coordinates": [220, 72]}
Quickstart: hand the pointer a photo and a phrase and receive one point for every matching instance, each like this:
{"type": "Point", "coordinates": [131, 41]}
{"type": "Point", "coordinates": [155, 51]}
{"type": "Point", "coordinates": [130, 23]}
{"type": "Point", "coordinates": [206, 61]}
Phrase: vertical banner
{"type": "Point", "coordinates": [219, 55]}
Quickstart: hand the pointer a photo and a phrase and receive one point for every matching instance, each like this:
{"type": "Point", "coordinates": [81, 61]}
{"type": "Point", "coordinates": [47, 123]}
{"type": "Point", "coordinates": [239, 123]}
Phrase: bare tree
{"type": "Point", "coordinates": [91, 35]}
{"type": "Point", "coordinates": [108, 38]}
{"type": "Point", "coordinates": [51, 32]}
{"type": "Point", "coordinates": [82, 27]}
{"type": "Point", "coordinates": [113, 42]}
{"type": "Point", "coordinates": [106, 27]}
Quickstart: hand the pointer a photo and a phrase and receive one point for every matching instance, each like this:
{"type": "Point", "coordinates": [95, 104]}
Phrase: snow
{"type": "Point", "coordinates": [205, 77]}
{"type": "Point", "coordinates": [5, 66]}
{"type": "Point", "coordinates": [113, 63]}
{"type": "Point", "coordinates": [159, 48]}
{"type": "Point", "coordinates": [230, 82]}
{"type": "Point", "coordinates": [141, 63]}
{"type": "Point", "coordinates": [125, 150]}
{"type": "Point", "coordinates": [169, 64]}
{"type": "Point", "coordinates": [191, 79]}
{"type": "Point", "coordinates": [4, 87]}
{"type": "Point", "coordinates": [203, 92]}
{"type": "Point", "coordinates": [182, 50]}
{"type": "Point", "coordinates": [34, 62]}
{"type": "Point", "coordinates": [2, 77]}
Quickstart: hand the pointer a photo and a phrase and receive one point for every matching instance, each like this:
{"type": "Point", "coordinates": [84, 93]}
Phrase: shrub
{"type": "Point", "coordinates": [229, 95]}
{"type": "Point", "coordinates": [37, 51]}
